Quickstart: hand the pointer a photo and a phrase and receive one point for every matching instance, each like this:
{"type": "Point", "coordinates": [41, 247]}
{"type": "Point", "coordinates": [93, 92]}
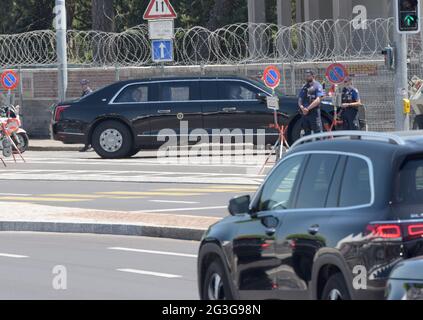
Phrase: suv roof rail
{"type": "Point", "coordinates": [376, 136]}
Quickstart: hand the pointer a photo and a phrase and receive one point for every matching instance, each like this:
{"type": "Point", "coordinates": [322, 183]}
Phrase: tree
{"type": "Point", "coordinates": [103, 15]}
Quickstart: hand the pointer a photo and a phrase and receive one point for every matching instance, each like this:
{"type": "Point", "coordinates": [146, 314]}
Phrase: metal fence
{"type": "Point", "coordinates": [322, 40]}
{"type": "Point", "coordinates": [238, 49]}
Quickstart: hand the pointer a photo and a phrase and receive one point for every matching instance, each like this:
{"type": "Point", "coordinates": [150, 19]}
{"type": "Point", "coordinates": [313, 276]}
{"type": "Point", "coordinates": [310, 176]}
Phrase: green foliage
{"type": "Point", "coordinates": [27, 15]}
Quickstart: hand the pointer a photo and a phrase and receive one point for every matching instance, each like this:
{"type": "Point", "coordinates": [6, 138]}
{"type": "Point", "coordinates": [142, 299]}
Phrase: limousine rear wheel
{"type": "Point", "coordinates": [112, 140]}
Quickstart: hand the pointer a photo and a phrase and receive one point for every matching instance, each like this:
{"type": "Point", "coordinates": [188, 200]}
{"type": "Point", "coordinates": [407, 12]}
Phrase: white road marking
{"type": "Point", "coordinates": [9, 255]}
{"type": "Point", "coordinates": [164, 253]}
{"type": "Point", "coordinates": [169, 201]}
{"type": "Point", "coordinates": [15, 194]}
{"type": "Point", "coordinates": [182, 209]}
{"type": "Point", "coordinates": [150, 273]}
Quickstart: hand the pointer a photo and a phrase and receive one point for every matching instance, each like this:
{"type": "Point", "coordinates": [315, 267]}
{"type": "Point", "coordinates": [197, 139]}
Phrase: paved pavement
{"type": "Point", "coordinates": [145, 167]}
{"type": "Point", "coordinates": [96, 267]}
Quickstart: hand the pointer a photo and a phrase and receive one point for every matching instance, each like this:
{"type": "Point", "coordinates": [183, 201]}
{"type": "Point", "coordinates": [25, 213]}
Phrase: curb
{"type": "Point", "coordinates": [64, 148]}
{"type": "Point", "coordinates": [104, 229]}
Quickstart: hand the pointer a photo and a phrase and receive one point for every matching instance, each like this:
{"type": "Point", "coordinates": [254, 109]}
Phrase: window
{"type": "Point", "coordinates": [317, 180]}
{"type": "Point", "coordinates": [179, 91]}
{"type": "Point", "coordinates": [134, 94]}
{"type": "Point", "coordinates": [410, 189]}
{"type": "Point", "coordinates": [277, 193]}
{"type": "Point", "coordinates": [236, 90]}
{"type": "Point", "coordinates": [356, 188]}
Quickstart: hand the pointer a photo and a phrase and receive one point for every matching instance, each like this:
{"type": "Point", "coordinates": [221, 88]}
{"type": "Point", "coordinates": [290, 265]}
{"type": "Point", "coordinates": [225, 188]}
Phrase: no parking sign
{"type": "Point", "coordinates": [9, 80]}
{"type": "Point", "coordinates": [272, 77]}
{"type": "Point", "coordinates": [336, 73]}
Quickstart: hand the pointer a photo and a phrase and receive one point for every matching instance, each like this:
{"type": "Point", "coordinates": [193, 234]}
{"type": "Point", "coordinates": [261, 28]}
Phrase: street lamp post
{"type": "Point", "coordinates": [62, 60]}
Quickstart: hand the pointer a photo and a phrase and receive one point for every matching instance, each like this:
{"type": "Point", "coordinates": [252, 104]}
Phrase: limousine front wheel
{"type": "Point", "coordinates": [112, 140]}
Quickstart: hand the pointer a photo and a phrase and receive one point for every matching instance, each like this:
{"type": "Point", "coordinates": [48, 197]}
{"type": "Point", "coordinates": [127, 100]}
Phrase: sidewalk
{"type": "Point", "coordinates": [52, 145]}
{"type": "Point", "coordinates": [38, 218]}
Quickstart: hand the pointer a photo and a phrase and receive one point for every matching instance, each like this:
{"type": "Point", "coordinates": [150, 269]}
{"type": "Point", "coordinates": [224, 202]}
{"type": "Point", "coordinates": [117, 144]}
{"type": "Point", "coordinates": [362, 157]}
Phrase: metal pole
{"type": "Point", "coordinates": [401, 81]}
{"type": "Point", "coordinates": [62, 59]}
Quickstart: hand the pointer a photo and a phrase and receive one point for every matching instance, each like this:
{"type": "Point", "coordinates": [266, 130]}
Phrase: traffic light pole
{"type": "Point", "coordinates": [401, 81]}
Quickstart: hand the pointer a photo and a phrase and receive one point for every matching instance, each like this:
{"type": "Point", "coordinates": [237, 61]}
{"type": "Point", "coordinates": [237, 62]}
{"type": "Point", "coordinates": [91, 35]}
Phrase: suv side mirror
{"type": "Point", "coordinates": [262, 96]}
{"type": "Point", "coordinates": [239, 205]}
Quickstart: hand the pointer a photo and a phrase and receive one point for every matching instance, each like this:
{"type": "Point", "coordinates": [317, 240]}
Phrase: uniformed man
{"type": "Point", "coordinates": [309, 103]}
{"type": "Point", "coordinates": [350, 104]}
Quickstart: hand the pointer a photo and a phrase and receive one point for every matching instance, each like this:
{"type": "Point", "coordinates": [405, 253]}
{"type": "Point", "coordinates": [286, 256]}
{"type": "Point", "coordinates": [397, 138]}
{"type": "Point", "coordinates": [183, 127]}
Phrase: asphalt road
{"type": "Point", "coordinates": [143, 183]}
{"type": "Point", "coordinates": [40, 266]}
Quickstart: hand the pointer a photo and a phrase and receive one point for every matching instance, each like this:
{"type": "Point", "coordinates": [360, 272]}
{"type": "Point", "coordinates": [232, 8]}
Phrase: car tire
{"type": "Point", "coordinates": [216, 284]}
{"type": "Point", "coordinates": [336, 288]}
{"type": "Point", "coordinates": [112, 140]}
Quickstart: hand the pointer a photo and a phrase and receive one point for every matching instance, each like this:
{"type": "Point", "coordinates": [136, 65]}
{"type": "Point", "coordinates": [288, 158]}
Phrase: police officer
{"type": "Point", "coordinates": [350, 103]}
{"type": "Point", "coordinates": [309, 103]}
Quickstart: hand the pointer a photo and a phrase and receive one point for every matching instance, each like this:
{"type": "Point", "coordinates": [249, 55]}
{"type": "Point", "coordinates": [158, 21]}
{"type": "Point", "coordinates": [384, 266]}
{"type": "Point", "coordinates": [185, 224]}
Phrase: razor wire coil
{"type": "Point", "coordinates": [312, 41]}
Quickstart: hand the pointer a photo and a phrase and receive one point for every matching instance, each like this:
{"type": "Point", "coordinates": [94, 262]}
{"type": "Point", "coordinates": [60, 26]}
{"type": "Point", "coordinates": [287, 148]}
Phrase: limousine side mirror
{"type": "Point", "coordinates": [262, 97]}
{"type": "Point", "coordinates": [239, 205]}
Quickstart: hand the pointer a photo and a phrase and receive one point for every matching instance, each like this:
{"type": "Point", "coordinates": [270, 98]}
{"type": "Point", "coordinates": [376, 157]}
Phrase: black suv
{"type": "Point", "coordinates": [127, 116]}
{"type": "Point", "coordinates": [330, 222]}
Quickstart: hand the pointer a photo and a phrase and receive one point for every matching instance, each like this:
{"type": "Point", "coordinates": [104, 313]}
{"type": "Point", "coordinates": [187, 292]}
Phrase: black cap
{"type": "Point", "coordinates": [309, 72]}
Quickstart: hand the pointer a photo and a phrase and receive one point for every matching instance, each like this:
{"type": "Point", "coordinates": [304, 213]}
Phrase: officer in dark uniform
{"type": "Point", "coordinates": [309, 104]}
{"type": "Point", "coordinates": [350, 104]}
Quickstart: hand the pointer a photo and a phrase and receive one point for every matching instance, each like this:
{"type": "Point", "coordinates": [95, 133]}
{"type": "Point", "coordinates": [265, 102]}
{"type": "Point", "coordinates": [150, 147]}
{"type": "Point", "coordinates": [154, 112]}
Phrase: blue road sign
{"type": "Point", "coordinates": [162, 50]}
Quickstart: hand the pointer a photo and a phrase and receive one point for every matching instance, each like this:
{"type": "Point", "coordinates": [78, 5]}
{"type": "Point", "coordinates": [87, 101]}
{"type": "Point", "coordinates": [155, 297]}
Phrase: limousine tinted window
{"type": "Point", "coordinates": [236, 90]}
{"type": "Point", "coordinates": [179, 91]}
{"type": "Point", "coordinates": [134, 94]}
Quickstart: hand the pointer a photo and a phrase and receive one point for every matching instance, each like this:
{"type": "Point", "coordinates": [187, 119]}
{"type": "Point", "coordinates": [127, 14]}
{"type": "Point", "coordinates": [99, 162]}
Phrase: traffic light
{"type": "Point", "coordinates": [388, 52]}
{"type": "Point", "coordinates": [408, 16]}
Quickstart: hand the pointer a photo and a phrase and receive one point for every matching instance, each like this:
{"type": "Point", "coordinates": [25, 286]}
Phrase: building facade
{"type": "Point", "coordinates": [319, 10]}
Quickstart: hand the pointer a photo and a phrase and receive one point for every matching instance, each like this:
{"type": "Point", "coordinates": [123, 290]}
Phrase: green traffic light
{"type": "Point", "coordinates": [409, 20]}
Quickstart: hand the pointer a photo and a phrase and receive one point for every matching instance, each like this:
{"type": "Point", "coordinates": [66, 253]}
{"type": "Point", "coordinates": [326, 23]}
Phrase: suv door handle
{"type": "Point", "coordinates": [232, 109]}
{"type": "Point", "coordinates": [164, 111]}
{"type": "Point", "coordinates": [313, 230]}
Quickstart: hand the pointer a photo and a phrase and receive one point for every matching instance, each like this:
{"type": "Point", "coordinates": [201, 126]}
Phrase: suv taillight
{"type": "Point", "coordinates": [396, 231]}
{"type": "Point", "coordinates": [385, 231]}
{"type": "Point", "coordinates": [58, 112]}
{"type": "Point", "coordinates": [415, 230]}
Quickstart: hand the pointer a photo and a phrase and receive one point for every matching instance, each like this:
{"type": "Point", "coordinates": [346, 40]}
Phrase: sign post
{"type": "Point", "coordinates": [336, 74]}
{"type": "Point", "coordinates": [272, 79]}
{"type": "Point", "coordinates": [9, 81]}
{"type": "Point", "coordinates": [161, 15]}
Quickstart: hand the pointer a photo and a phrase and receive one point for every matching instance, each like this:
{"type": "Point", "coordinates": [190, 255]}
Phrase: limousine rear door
{"type": "Point", "coordinates": [178, 108]}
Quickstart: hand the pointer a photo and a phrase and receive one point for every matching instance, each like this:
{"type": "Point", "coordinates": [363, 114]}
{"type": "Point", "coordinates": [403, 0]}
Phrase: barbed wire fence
{"type": "Point", "coordinates": [322, 40]}
{"type": "Point", "coordinates": [312, 44]}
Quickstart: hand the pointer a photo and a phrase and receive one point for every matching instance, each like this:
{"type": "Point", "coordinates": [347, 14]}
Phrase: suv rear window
{"type": "Point", "coordinates": [409, 190]}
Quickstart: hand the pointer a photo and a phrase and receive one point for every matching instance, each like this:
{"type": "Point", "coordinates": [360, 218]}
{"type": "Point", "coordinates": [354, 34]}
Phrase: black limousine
{"type": "Point", "coordinates": [125, 117]}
